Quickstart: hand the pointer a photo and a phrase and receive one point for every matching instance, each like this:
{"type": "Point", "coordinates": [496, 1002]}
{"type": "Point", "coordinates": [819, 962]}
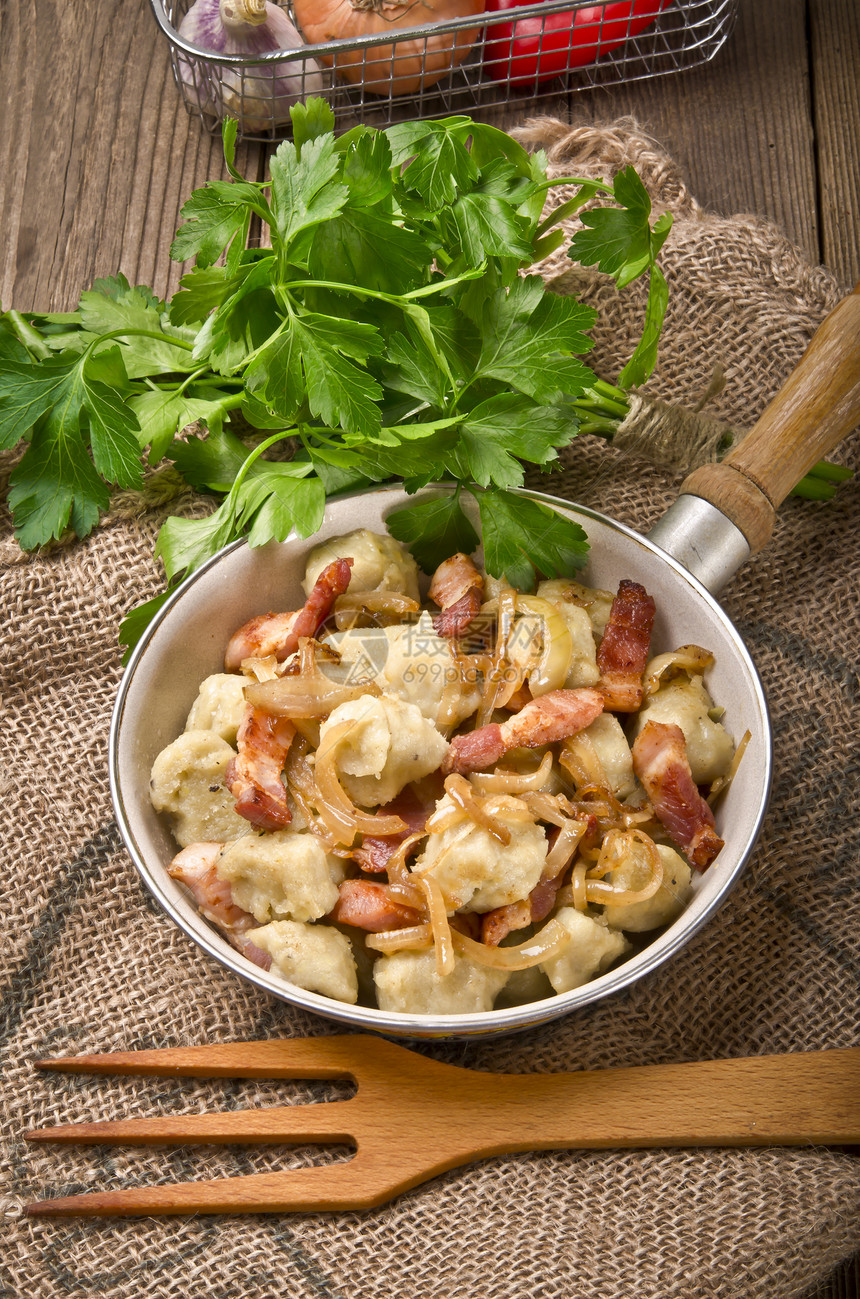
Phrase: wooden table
{"type": "Point", "coordinates": [98, 153]}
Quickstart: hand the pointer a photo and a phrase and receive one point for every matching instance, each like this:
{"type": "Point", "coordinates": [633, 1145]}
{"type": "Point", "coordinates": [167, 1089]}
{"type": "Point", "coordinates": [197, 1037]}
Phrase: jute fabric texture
{"type": "Point", "coordinates": [90, 964]}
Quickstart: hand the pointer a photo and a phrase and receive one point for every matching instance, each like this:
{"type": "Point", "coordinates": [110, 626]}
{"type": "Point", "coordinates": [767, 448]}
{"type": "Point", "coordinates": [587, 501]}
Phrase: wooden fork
{"type": "Point", "coordinates": [413, 1117]}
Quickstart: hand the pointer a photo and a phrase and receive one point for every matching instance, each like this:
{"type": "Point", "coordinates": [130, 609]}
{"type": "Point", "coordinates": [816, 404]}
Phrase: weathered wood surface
{"type": "Point", "coordinates": [97, 153]}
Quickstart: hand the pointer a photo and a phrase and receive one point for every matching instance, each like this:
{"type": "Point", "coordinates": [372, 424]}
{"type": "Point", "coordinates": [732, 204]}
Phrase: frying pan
{"type": "Point", "coordinates": [724, 514]}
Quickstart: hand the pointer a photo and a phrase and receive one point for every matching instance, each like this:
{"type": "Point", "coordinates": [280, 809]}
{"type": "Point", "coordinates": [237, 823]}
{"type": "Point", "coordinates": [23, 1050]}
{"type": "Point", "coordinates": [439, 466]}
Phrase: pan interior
{"type": "Point", "coordinates": [186, 643]}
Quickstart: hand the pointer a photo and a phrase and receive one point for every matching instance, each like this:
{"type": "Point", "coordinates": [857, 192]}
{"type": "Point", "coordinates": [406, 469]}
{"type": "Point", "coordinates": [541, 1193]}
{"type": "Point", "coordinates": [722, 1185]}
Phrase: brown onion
{"type": "Point", "coordinates": [300, 784]}
{"type": "Point", "coordinates": [342, 818]}
{"type": "Point", "coordinates": [398, 871]}
{"type": "Point", "coordinates": [415, 938]}
{"type": "Point", "coordinates": [389, 69]}
{"type": "Point", "coordinates": [556, 649]}
{"type": "Point", "coordinates": [347, 607]}
{"type": "Point", "coordinates": [504, 781]}
{"type": "Point", "coordinates": [460, 792]}
{"type": "Point", "coordinates": [579, 758]}
{"type": "Point", "coordinates": [688, 658]}
{"type": "Point", "coordinates": [566, 844]}
{"type": "Point", "coordinates": [501, 679]}
{"type": "Point", "coordinates": [618, 845]}
{"type": "Point", "coordinates": [722, 783]}
{"type": "Point", "coordinates": [545, 944]}
{"type": "Point", "coordinates": [439, 926]}
{"type": "Point", "coordinates": [303, 696]}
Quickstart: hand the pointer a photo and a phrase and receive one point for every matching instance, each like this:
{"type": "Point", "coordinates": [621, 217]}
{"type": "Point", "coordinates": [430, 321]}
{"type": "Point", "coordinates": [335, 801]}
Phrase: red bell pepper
{"type": "Point", "coordinates": [537, 49]}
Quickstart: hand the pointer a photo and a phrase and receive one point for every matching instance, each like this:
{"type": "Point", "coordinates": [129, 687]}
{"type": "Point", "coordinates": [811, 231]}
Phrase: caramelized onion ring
{"type": "Point", "coordinates": [618, 845]}
{"type": "Point", "coordinates": [347, 607]}
{"type": "Point", "coordinates": [687, 658]}
{"type": "Point", "coordinates": [416, 938]}
{"type": "Point", "coordinates": [398, 871]}
{"type": "Point", "coordinates": [439, 926]}
{"type": "Point", "coordinates": [461, 792]}
{"type": "Point", "coordinates": [300, 696]}
{"type": "Point", "coordinates": [553, 665]}
{"type": "Point", "coordinates": [340, 815]}
{"type": "Point", "coordinates": [501, 781]}
{"type": "Point", "coordinates": [543, 946]}
{"type": "Point", "coordinates": [566, 844]}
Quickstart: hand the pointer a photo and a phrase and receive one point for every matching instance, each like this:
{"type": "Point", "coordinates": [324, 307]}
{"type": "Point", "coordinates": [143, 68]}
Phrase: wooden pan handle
{"type": "Point", "coordinates": [815, 409]}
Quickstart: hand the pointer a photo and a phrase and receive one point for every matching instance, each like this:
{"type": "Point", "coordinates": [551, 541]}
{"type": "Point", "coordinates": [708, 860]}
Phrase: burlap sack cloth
{"type": "Point", "coordinates": [90, 964]}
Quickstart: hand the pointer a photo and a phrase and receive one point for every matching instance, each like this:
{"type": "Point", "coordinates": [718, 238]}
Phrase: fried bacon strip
{"type": "Point", "coordinates": [623, 649]}
{"type": "Point", "coordinates": [553, 716]}
{"type": "Point", "coordinates": [660, 762]}
{"type": "Point", "coordinates": [377, 850]}
{"type": "Point", "coordinates": [195, 868]}
{"type": "Point", "coordinates": [458, 588]}
{"type": "Point", "coordinates": [370, 906]}
{"type": "Point", "coordinates": [279, 633]}
{"type": "Point", "coordinates": [497, 924]}
{"type": "Point", "coordinates": [254, 775]}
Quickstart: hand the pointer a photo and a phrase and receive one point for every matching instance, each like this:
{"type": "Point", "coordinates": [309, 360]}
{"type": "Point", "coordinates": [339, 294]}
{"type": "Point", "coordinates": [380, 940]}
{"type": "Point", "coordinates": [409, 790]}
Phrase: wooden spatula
{"type": "Point", "coordinates": [413, 1117]}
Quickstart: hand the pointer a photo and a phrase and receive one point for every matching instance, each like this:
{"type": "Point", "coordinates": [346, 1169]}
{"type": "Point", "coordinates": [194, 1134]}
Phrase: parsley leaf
{"type": "Point", "coordinates": [81, 436]}
{"type": "Point", "coordinates": [162, 412]}
{"type": "Point", "coordinates": [216, 215]}
{"type": "Point", "coordinates": [621, 242]}
{"type": "Point", "coordinates": [56, 458]}
{"type": "Point", "coordinates": [433, 530]}
{"type": "Point", "coordinates": [528, 335]}
{"type": "Point", "coordinates": [523, 538]}
{"type": "Point", "coordinates": [380, 320]}
{"type": "Point", "coordinates": [304, 188]}
{"type": "Point", "coordinates": [506, 426]}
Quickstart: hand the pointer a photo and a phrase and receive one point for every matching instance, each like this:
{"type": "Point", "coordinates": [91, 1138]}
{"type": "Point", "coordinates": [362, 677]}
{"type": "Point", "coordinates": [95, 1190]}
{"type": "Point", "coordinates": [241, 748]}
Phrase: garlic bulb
{"type": "Point", "coordinates": [260, 95]}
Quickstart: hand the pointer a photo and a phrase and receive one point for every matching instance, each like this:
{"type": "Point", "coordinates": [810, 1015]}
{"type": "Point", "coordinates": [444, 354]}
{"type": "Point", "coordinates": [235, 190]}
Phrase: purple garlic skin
{"type": "Point", "coordinates": [258, 96]}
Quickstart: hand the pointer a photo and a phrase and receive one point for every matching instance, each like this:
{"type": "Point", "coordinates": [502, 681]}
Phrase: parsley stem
{"type": "Point", "coordinates": [30, 337]}
{"type": "Point", "coordinates": [811, 488]}
{"type": "Point", "coordinates": [553, 182]}
{"type": "Point", "coordinates": [396, 299]}
{"type": "Point", "coordinates": [195, 374]}
{"type": "Point", "coordinates": [255, 455]}
{"type": "Point", "coordinates": [138, 333]}
{"type": "Point", "coordinates": [830, 473]}
{"type": "Point", "coordinates": [603, 428]}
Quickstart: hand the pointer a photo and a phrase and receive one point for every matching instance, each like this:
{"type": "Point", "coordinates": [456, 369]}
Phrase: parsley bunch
{"type": "Point", "coordinates": [384, 325]}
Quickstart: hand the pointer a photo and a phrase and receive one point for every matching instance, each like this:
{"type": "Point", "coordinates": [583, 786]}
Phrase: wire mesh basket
{"type": "Point", "coordinates": [473, 65]}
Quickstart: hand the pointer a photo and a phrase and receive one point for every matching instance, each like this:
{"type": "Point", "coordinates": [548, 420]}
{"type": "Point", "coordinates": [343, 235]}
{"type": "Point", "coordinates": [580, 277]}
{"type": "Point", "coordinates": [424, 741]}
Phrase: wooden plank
{"type": "Point", "coordinates": [99, 155]}
{"type": "Point", "coordinates": [740, 126]}
{"type": "Point", "coordinates": [835, 57]}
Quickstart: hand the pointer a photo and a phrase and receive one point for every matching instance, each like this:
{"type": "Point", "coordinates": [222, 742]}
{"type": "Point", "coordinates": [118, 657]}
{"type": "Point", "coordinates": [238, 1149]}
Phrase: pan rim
{"type": "Point", "coordinates": [403, 1024]}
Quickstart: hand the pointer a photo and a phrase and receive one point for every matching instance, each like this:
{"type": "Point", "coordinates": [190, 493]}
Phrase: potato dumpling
{"type": "Point", "coordinates": [685, 702]}
{"type": "Point", "coordinates": [596, 603]}
{"type": "Point", "coordinates": [474, 870]}
{"type": "Point", "coordinates": [592, 949]}
{"type": "Point", "coordinates": [389, 744]}
{"type": "Point", "coordinates": [316, 957]}
{"type": "Point", "coordinates": [600, 755]}
{"type": "Point", "coordinates": [281, 875]}
{"type": "Point", "coordinates": [381, 563]}
{"type": "Point", "coordinates": [187, 782]}
{"type": "Point", "coordinates": [420, 669]}
{"type": "Point", "coordinates": [665, 905]}
{"type": "Point", "coordinates": [219, 706]}
{"type": "Point", "coordinates": [407, 982]}
{"type": "Point", "coordinates": [583, 669]}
